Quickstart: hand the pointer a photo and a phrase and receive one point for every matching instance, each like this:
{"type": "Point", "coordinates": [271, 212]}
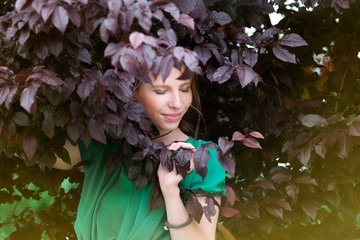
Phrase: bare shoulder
{"type": "Point", "coordinates": [74, 157]}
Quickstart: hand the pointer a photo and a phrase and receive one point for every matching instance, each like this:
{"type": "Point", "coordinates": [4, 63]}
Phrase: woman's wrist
{"type": "Point", "coordinates": [170, 190]}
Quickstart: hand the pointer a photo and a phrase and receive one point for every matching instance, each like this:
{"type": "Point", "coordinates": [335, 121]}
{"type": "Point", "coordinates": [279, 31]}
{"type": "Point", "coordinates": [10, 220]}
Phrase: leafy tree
{"type": "Point", "coordinates": [67, 72]}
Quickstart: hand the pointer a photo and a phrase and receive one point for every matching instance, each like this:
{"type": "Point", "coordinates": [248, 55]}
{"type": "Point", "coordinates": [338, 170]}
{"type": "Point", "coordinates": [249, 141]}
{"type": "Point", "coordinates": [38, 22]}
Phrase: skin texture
{"type": "Point", "coordinates": [166, 103]}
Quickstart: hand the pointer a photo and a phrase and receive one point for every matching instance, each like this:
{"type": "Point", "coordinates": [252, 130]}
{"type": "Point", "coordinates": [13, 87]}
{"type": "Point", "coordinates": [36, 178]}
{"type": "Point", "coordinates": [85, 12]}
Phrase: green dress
{"type": "Point", "coordinates": [112, 208]}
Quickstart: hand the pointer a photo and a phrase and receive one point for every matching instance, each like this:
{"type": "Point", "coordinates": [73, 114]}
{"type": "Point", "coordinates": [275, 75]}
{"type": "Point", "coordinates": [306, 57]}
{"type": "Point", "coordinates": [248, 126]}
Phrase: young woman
{"type": "Point", "coordinates": [112, 208]}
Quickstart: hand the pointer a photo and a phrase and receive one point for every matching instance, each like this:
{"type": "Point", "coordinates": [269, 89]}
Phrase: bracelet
{"type": "Point", "coordinates": [176, 226]}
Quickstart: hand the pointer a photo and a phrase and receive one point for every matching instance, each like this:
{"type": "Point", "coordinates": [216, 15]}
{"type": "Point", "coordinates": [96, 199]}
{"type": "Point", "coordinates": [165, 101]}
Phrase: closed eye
{"type": "Point", "coordinates": [157, 91]}
{"type": "Point", "coordinates": [185, 89]}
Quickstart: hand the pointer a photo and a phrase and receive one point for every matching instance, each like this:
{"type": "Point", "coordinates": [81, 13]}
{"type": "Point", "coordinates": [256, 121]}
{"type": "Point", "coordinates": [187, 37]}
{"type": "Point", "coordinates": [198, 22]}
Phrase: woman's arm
{"type": "Point", "coordinates": [175, 209]}
{"type": "Point", "coordinates": [74, 157]}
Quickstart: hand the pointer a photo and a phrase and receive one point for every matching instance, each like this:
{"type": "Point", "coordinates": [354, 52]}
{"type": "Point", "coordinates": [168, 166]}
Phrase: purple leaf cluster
{"type": "Point", "coordinates": [68, 70]}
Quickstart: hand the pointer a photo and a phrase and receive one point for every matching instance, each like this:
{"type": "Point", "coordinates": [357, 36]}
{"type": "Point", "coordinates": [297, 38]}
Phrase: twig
{"type": "Point", "coordinates": [341, 88]}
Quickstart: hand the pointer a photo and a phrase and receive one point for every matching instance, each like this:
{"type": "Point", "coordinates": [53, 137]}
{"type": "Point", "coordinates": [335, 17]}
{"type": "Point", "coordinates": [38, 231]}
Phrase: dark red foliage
{"type": "Point", "coordinates": [67, 70]}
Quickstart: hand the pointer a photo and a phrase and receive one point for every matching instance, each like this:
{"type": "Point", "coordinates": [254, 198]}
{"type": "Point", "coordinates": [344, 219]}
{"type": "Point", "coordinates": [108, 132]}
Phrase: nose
{"type": "Point", "coordinates": [175, 100]}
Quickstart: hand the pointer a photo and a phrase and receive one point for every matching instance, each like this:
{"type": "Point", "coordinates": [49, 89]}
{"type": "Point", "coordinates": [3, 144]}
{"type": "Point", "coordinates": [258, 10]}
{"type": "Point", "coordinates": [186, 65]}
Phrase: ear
{"type": "Point", "coordinates": [134, 94]}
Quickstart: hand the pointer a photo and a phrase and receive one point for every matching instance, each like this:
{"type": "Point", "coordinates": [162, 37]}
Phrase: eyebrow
{"type": "Point", "coordinates": [164, 85]}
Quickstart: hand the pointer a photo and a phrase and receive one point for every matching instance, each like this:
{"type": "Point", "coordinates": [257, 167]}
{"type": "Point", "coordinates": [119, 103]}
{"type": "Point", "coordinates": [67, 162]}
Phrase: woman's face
{"type": "Point", "coordinates": [165, 102]}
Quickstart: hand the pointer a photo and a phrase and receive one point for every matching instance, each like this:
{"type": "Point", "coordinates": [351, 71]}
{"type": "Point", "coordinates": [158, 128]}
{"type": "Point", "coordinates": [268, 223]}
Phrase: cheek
{"type": "Point", "coordinates": [188, 100]}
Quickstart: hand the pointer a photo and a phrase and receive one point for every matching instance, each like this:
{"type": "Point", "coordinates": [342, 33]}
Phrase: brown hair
{"type": "Point", "coordinates": [193, 114]}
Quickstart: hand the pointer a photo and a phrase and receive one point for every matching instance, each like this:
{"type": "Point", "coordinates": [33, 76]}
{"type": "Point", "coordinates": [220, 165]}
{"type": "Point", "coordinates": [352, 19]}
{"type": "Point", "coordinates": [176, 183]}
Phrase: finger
{"type": "Point", "coordinates": [177, 145]}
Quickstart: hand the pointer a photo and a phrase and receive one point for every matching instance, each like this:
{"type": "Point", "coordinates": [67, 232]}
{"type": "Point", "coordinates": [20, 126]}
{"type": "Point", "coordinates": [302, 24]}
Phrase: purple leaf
{"type": "Point", "coordinates": [47, 10]}
{"type": "Point", "coordinates": [76, 130]}
{"type": "Point", "coordinates": [86, 87]}
{"type": "Point", "coordinates": [10, 96]}
{"type": "Point", "coordinates": [306, 179]}
{"type": "Point", "coordinates": [218, 56]}
{"type": "Point", "coordinates": [29, 145]}
{"type": "Point", "coordinates": [187, 21]}
{"type": "Point", "coordinates": [186, 6]}
{"type": "Point", "coordinates": [230, 195]}
{"type": "Point", "coordinates": [21, 5]}
{"type": "Point", "coordinates": [229, 212]}
{"type": "Point", "coordinates": [209, 208]}
{"type": "Point", "coordinates": [172, 9]}
{"type": "Point", "coordinates": [24, 36]}
{"type": "Point", "coordinates": [73, 15]}
{"type": "Point", "coordinates": [144, 16]}
{"type": "Point", "coordinates": [183, 156]}
{"type": "Point", "coordinates": [203, 53]}
{"type": "Point", "coordinates": [292, 40]}
{"type": "Point", "coordinates": [3, 94]}
{"type": "Point", "coordinates": [168, 35]}
{"type": "Point", "coordinates": [141, 181]}
{"type": "Point", "coordinates": [165, 158]}
{"type": "Point", "coordinates": [256, 135]}
{"type": "Point", "coordinates": [225, 145]}
{"type": "Point", "coordinates": [194, 208]}
{"type": "Point", "coordinates": [131, 135]}
{"type": "Point", "coordinates": [223, 74]}
{"type": "Point", "coordinates": [245, 74]}
{"type": "Point", "coordinates": [60, 19]}
{"type": "Point", "coordinates": [41, 50]}
{"type": "Point", "coordinates": [250, 142]}
{"type": "Point", "coordinates": [96, 129]}
{"type": "Point", "coordinates": [269, 33]}
{"type": "Point", "coordinates": [343, 3]}
{"type": "Point", "coordinates": [111, 118]}
{"type": "Point", "coordinates": [202, 172]}
{"type": "Point", "coordinates": [192, 62]}
{"type": "Point", "coordinates": [310, 207]}
{"type": "Point", "coordinates": [228, 164]}
{"type": "Point", "coordinates": [104, 34]}
{"type": "Point", "coordinates": [136, 39]}
{"type": "Point", "coordinates": [48, 79]}
{"type": "Point", "coordinates": [84, 56]}
{"type": "Point", "coordinates": [27, 99]}
{"type": "Point", "coordinates": [283, 54]}
{"type": "Point", "coordinates": [237, 136]}
{"type": "Point", "coordinates": [201, 157]}
{"type": "Point", "coordinates": [250, 57]}
{"type": "Point", "coordinates": [55, 45]}
{"type": "Point", "coordinates": [167, 63]}
{"type": "Point", "coordinates": [235, 56]}
{"type": "Point", "coordinates": [243, 38]}
{"type": "Point", "coordinates": [219, 17]}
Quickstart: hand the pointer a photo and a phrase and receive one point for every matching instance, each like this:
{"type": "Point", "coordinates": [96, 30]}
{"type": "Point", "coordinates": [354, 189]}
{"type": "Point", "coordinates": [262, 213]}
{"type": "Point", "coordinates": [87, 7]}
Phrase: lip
{"type": "Point", "coordinates": [172, 117]}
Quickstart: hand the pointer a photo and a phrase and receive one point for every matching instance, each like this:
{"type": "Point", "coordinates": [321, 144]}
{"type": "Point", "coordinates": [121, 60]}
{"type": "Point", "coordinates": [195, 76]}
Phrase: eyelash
{"type": "Point", "coordinates": [160, 92]}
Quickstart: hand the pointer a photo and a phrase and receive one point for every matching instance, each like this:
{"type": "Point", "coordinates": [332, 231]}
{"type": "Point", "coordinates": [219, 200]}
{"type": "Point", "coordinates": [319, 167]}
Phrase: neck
{"type": "Point", "coordinates": [161, 135]}
{"type": "Point", "coordinates": [170, 136]}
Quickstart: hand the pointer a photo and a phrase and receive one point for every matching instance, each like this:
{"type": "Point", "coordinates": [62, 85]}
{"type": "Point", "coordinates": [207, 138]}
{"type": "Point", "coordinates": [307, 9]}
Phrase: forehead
{"type": "Point", "coordinates": [172, 79]}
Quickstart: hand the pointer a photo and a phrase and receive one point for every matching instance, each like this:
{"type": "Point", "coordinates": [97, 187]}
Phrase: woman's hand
{"type": "Point", "coordinates": [169, 180]}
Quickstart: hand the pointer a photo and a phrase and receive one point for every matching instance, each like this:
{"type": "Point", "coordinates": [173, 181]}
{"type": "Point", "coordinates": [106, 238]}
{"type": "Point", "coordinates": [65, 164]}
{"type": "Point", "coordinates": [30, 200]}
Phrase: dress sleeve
{"type": "Point", "coordinates": [214, 182]}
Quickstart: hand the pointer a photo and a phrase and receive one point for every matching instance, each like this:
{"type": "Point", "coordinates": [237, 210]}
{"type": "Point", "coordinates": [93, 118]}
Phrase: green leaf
{"type": "Point", "coordinates": [350, 119]}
